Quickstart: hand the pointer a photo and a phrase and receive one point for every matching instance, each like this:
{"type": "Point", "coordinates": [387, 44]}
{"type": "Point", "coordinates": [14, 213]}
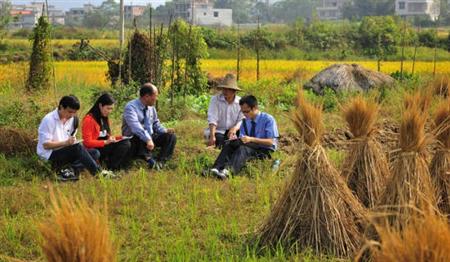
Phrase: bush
{"type": "Point", "coordinates": [428, 38]}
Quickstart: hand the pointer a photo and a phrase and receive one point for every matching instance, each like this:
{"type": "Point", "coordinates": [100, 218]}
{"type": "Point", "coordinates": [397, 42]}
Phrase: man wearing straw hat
{"type": "Point", "coordinates": [224, 113]}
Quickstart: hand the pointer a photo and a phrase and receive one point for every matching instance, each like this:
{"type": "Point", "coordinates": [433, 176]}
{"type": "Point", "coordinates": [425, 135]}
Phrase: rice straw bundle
{"type": "Point", "coordinates": [409, 188]}
{"type": "Point", "coordinates": [365, 167]}
{"type": "Point", "coordinates": [441, 86]}
{"type": "Point", "coordinates": [76, 232]}
{"type": "Point", "coordinates": [316, 208]}
{"type": "Point", "coordinates": [426, 238]}
{"type": "Point", "coordinates": [420, 100]}
{"type": "Point", "coordinates": [440, 164]}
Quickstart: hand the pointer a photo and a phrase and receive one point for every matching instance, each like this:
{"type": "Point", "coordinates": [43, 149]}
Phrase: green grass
{"type": "Point", "coordinates": [171, 215]}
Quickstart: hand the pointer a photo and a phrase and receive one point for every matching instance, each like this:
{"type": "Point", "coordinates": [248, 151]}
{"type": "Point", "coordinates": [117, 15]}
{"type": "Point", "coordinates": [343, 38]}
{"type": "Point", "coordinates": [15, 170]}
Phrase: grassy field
{"type": "Point", "coordinates": [175, 214]}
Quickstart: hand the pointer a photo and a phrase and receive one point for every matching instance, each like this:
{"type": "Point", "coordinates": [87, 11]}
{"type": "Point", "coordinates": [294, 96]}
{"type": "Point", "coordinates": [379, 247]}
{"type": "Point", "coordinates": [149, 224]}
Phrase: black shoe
{"type": "Point", "coordinates": [67, 174]}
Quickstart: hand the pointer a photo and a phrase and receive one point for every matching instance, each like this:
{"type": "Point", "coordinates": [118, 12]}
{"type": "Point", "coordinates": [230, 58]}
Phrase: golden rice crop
{"type": "Point", "coordinates": [94, 72]}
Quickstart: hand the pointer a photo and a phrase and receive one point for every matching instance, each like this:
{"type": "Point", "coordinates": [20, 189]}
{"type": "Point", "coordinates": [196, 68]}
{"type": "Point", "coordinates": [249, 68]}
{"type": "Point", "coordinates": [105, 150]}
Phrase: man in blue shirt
{"type": "Point", "coordinates": [257, 139]}
{"type": "Point", "coordinates": [140, 121]}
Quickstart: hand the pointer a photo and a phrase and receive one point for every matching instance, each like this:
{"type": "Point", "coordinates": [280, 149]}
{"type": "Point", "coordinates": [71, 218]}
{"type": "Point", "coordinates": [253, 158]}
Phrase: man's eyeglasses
{"type": "Point", "coordinates": [246, 111]}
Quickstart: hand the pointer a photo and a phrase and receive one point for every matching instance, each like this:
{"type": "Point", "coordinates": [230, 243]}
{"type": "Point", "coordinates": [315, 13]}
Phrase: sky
{"type": "Point", "coordinates": [67, 4]}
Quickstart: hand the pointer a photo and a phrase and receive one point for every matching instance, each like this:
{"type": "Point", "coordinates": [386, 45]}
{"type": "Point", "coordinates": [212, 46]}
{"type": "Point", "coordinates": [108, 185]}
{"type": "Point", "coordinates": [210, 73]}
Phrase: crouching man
{"type": "Point", "coordinates": [258, 139]}
{"type": "Point", "coordinates": [57, 142]}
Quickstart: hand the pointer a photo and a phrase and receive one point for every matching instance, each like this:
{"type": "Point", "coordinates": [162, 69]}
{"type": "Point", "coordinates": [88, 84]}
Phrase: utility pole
{"type": "Point", "coordinates": [121, 37]}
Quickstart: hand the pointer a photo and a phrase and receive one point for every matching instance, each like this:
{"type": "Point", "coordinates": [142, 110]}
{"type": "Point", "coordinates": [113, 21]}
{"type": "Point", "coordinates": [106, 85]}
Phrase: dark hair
{"type": "Point", "coordinates": [249, 100]}
{"type": "Point", "coordinates": [69, 101]}
{"type": "Point", "coordinates": [105, 99]}
{"type": "Point", "coordinates": [147, 89]}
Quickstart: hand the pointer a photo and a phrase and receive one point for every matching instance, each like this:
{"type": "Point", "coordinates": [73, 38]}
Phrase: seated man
{"type": "Point", "coordinates": [57, 142]}
{"type": "Point", "coordinates": [258, 139]}
{"type": "Point", "coordinates": [140, 121]}
{"type": "Point", "coordinates": [224, 113]}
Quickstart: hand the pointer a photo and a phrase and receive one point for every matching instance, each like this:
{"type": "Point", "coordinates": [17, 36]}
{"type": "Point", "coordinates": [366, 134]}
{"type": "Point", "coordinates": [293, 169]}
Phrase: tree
{"type": "Point", "coordinates": [5, 17]}
{"type": "Point", "coordinates": [40, 67]}
{"type": "Point", "coordinates": [242, 9]}
{"type": "Point", "coordinates": [361, 8]}
{"type": "Point", "coordinates": [106, 15]}
{"type": "Point", "coordinates": [378, 36]}
{"type": "Point", "coordinates": [290, 10]}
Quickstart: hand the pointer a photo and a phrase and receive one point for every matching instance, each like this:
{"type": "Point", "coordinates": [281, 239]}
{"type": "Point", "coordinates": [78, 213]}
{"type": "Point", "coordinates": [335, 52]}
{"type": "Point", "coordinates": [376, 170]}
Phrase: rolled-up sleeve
{"type": "Point", "coordinates": [157, 126]}
{"type": "Point", "coordinates": [213, 111]}
{"type": "Point", "coordinates": [131, 118]}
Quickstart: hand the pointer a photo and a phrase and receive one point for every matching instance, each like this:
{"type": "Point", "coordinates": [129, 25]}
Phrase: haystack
{"type": "Point", "coordinates": [345, 77]}
{"type": "Point", "coordinates": [409, 188]}
{"type": "Point", "coordinates": [316, 208]}
{"type": "Point", "coordinates": [365, 167]}
{"type": "Point", "coordinates": [440, 164]}
{"type": "Point", "coordinates": [426, 238]}
{"type": "Point", "coordinates": [15, 141]}
{"type": "Point", "coordinates": [76, 232]}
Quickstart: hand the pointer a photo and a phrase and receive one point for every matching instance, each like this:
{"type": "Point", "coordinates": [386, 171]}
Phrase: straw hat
{"type": "Point", "coordinates": [229, 82]}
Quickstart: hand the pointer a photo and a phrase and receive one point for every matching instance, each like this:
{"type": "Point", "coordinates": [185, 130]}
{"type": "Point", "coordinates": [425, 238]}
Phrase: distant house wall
{"type": "Point", "coordinates": [418, 7]}
{"type": "Point", "coordinates": [213, 17]}
{"type": "Point", "coordinates": [330, 9]}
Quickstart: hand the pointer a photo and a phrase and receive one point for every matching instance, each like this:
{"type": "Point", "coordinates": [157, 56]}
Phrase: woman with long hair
{"type": "Point", "coordinates": [97, 134]}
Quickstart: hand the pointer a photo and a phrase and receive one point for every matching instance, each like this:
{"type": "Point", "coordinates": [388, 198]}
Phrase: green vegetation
{"type": "Point", "coordinates": [40, 62]}
{"type": "Point", "coordinates": [174, 214]}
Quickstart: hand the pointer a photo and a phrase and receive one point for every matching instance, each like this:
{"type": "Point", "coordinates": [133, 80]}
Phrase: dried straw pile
{"type": "Point", "coordinates": [441, 86]}
{"type": "Point", "coordinates": [316, 208]}
{"type": "Point", "coordinates": [365, 167]}
{"type": "Point", "coordinates": [425, 239]}
{"type": "Point", "coordinates": [440, 164]}
{"type": "Point", "coordinates": [410, 189]}
{"type": "Point", "coordinates": [15, 141]}
{"type": "Point", "coordinates": [76, 232]}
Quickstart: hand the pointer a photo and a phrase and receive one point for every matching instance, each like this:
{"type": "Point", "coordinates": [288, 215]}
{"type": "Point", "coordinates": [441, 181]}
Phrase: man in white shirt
{"type": "Point", "coordinates": [224, 113]}
{"type": "Point", "coordinates": [57, 142]}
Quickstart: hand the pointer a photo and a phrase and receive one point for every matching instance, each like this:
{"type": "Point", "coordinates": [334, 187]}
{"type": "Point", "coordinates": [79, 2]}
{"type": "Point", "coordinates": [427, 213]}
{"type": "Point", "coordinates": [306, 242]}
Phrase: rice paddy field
{"type": "Point", "coordinates": [177, 214]}
{"type": "Point", "coordinates": [94, 73]}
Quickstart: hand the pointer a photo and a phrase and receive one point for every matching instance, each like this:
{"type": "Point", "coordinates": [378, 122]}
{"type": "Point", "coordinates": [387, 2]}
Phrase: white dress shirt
{"type": "Point", "coordinates": [52, 129]}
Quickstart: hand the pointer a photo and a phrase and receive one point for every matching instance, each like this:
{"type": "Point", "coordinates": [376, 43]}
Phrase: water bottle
{"type": "Point", "coordinates": [276, 165]}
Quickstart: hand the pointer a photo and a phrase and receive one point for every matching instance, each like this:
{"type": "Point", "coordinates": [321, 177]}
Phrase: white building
{"type": "Point", "coordinates": [27, 16]}
{"type": "Point", "coordinates": [330, 9]}
{"type": "Point", "coordinates": [202, 12]}
{"type": "Point", "coordinates": [418, 7]}
{"type": "Point", "coordinates": [209, 16]}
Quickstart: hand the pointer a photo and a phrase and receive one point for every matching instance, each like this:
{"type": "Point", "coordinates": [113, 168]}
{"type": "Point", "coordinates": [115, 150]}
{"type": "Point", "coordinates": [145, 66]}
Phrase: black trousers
{"type": "Point", "coordinates": [165, 142]}
{"type": "Point", "coordinates": [73, 154]}
{"type": "Point", "coordinates": [116, 155]}
{"type": "Point", "coordinates": [236, 156]}
{"type": "Point", "coordinates": [220, 138]}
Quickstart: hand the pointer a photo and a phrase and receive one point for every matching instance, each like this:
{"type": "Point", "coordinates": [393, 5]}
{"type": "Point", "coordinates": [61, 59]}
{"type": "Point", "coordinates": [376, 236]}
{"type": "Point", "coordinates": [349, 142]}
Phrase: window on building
{"type": "Point", "coordinates": [216, 14]}
{"type": "Point", "coordinates": [204, 13]}
{"type": "Point", "coordinates": [401, 5]}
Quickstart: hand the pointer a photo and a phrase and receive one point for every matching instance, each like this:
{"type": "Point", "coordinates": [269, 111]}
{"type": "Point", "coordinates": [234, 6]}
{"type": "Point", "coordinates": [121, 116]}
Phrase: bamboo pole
{"type": "Point", "coordinates": [257, 50]}
{"type": "Point", "coordinates": [238, 58]}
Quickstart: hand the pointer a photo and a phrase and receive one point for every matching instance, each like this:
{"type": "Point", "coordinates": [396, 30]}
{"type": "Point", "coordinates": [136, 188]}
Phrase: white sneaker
{"type": "Point", "coordinates": [220, 174]}
{"type": "Point", "coordinates": [225, 172]}
{"type": "Point", "coordinates": [107, 174]}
